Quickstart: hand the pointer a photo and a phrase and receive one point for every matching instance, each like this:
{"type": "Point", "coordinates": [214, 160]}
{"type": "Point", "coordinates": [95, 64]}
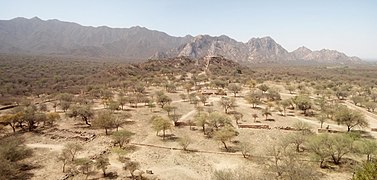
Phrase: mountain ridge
{"type": "Point", "coordinates": [55, 37]}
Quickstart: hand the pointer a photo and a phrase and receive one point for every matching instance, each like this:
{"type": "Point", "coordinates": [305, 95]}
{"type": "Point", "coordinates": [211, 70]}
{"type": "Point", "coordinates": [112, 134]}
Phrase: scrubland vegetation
{"type": "Point", "coordinates": [184, 119]}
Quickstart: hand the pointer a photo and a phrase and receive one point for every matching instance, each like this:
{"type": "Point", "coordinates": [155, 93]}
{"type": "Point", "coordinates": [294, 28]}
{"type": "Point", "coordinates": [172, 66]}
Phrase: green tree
{"type": "Point", "coordinates": [264, 88]}
{"type": "Point", "coordinates": [139, 88]}
{"type": "Point", "coordinates": [227, 103]}
{"type": "Point", "coordinates": [11, 120]}
{"type": "Point", "coordinates": [367, 147]}
{"type": "Point", "coordinates": [350, 118]}
{"type": "Point", "coordinates": [303, 103]}
{"type": "Point", "coordinates": [225, 134]}
{"type": "Point", "coordinates": [72, 149]}
{"type": "Point", "coordinates": [322, 103]}
{"type": "Point", "coordinates": [161, 124]}
{"type": "Point", "coordinates": [203, 99]}
{"type": "Point", "coordinates": [238, 116]}
{"type": "Point", "coordinates": [169, 109]}
{"type": "Point", "coordinates": [371, 106]}
{"type": "Point", "coordinates": [251, 83]}
{"type": "Point", "coordinates": [188, 87]}
{"type": "Point", "coordinates": [84, 166]}
{"type": "Point", "coordinates": [122, 101]}
{"type": "Point", "coordinates": [266, 112]}
{"type": "Point", "coordinates": [358, 100]}
{"type": "Point", "coordinates": [334, 147]}
{"type": "Point", "coordinates": [297, 139]}
{"type": "Point", "coordinates": [12, 153]}
{"type": "Point", "coordinates": [122, 137]}
{"type": "Point", "coordinates": [367, 171]}
{"type": "Point", "coordinates": [217, 119]}
{"type": "Point", "coordinates": [65, 105]}
{"type": "Point", "coordinates": [201, 120]}
{"type": "Point", "coordinates": [132, 166]}
{"type": "Point", "coordinates": [341, 94]}
{"type": "Point", "coordinates": [151, 105]}
{"type": "Point", "coordinates": [234, 174]}
{"type": "Point", "coordinates": [121, 119]}
{"type": "Point", "coordinates": [322, 118]}
{"type": "Point", "coordinates": [105, 120]}
{"type": "Point", "coordinates": [52, 117]}
{"type": "Point", "coordinates": [273, 95]}
{"type": "Point", "coordinates": [184, 142]}
{"type": "Point", "coordinates": [170, 87]}
{"type": "Point", "coordinates": [82, 111]}
{"type": "Point", "coordinates": [65, 158]}
{"type": "Point", "coordinates": [163, 100]}
{"type": "Point", "coordinates": [175, 118]}
{"type": "Point", "coordinates": [65, 97]}
{"type": "Point", "coordinates": [114, 105]}
{"type": "Point", "coordinates": [290, 88]}
{"type": "Point", "coordinates": [245, 149]}
{"type": "Point", "coordinates": [319, 148]}
{"type": "Point", "coordinates": [234, 88]}
{"type": "Point", "coordinates": [253, 99]}
{"type": "Point", "coordinates": [302, 126]}
{"type": "Point", "coordinates": [101, 163]}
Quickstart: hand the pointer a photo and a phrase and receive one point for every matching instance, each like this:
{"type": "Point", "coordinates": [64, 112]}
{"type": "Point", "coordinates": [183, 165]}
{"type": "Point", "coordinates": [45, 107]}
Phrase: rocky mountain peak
{"type": "Point", "coordinates": [54, 37]}
{"type": "Point", "coordinates": [303, 49]}
{"type": "Point", "coordinates": [36, 18]}
{"type": "Point", "coordinates": [301, 52]}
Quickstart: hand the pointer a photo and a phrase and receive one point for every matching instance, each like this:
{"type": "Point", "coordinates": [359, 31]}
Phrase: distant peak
{"type": "Point", "coordinates": [262, 39]}
{"type": "Point", "coordinates": [36, 18]}
{"type": "Point", "coordinates": [19, 18]}
{"type": "Point", "coordinates": [303, 48]}
{"type": "Point", "coordinates": [201, 36]}
{"type": "Point", "coordinates": [267, 37]}
{"type": "Point", "coordinates": [138, 27]}
{"type": "Point", "coordinates": [224, 36]}
{"type": "Point", "coordinates": [327, 50]}
{"type": "Point", "coordinates": [188, 36]}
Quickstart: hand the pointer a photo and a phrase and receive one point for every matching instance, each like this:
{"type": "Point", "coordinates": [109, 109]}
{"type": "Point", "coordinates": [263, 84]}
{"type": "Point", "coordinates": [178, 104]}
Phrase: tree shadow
{"type": "Point", "coordinates": [231, 149]}
{"type": "Point", "coordinates": [129, 122]}
{"type": "Point", "coordinates": [130, 148]}
{"type": "Point", "coordinates": [171, 137]}
{"type": "Point", "coordinates": [111, 175]}
{"type": "Point", "coordinates": [24, 171]}
{"type": "Point", "coordinates": [363, 134]}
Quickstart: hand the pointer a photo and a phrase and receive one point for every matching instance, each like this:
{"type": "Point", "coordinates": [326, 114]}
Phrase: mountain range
{"type": "Point", "coordinates": [54, 37]}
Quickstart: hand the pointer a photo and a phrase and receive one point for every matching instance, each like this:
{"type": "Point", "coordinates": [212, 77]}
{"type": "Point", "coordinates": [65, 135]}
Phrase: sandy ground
{"type": "Point", "coordinates": [157, 155]}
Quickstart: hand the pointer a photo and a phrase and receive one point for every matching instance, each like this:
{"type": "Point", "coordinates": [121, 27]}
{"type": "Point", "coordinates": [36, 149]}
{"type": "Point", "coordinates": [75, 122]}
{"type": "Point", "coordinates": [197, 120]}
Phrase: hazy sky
{"type": "Point", "coordinates": [349, 26]}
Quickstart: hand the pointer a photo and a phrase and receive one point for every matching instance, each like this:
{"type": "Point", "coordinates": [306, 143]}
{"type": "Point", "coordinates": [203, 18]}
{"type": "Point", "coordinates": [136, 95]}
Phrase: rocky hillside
{"type": "Point", "coordinates": [54, 37]}
{"type": "Point", "coordinates": [35, 36]}
{"type": "Point", "coordinates": [211, 64]}
{"type": "Point", "coordinates": [256, 50]}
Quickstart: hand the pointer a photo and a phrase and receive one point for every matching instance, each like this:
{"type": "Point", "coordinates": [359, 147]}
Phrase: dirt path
{"type": "Point", "coordinates": [372, 118]}
{"type": "Point", "coordinates": [184, 117]}
{"type": "Point", "coordinates": [332, 125]}
{"type": "Point", "coordinates": [367, 113]}
{"type": "Point", "coordinates": [189, 114]}
{"type": "Point", "coordinates": [208, 152]}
